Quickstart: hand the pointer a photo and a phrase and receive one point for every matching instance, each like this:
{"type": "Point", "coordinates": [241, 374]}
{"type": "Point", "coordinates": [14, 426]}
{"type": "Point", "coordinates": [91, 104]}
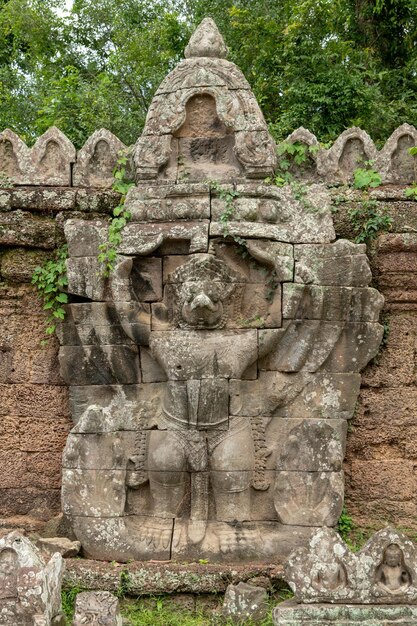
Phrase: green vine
{"type": "Point", "coordinates": [228, 196]}
{"type": "Point", "coordinates": [411, 192]}
{"type": "Point", "coordinates": [108, 250]}
{"type": "Point", "coordinates": [369, 219]}
{"type": "Point", "coordinates": [51, 280]}
{"type": "Point", "coordinates": [289, 155]}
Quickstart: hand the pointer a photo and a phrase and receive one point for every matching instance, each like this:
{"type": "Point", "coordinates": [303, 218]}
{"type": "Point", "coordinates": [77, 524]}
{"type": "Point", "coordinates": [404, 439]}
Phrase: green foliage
{"type": "Point", "coordinates": [50, 279]}
{"type": "Point", "coordinates": [325, 65]}
{"type": "Point", "coordinates": [108, 251]}
{"type": "Point", "coordinates": [411, 192]}
{"type": "Point", "coordinates": [68, 597]}
{"type": "Point", "coordinates": [228, 196]}
{"type": "Point", "coordinates": [124, 584]}
{"type": "Point", "coordinates": [368, 220]}
{"type": "Point", "coordinates": [345, 524]}
{"type": "Point", "coordinates": [366, 178]}
{"type": "Point", "coordinates": [159, 612]}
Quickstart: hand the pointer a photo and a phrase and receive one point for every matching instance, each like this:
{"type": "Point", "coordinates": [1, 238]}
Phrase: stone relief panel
{"type": "Point", "coordinates": [383, 572]}
{"type": "Point", "coordinates": [350, 150]}
{"type": "Point", "coordinates": [47, 163]}
{"type": "Point", "coordinates": [97, 159]}
{"type": "Point", "coordinates": [52, 157]}
{"type": "Point", "coordinates": [213, 373]}
{"type": "Point", "coordinates": [97, 608]}
{"type": "Point", "coordinates": [394, 162]}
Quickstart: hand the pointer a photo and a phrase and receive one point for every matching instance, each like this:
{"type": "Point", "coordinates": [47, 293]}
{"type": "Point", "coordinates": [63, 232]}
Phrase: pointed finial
{"type": "Point", "coordinates": [206, 41]}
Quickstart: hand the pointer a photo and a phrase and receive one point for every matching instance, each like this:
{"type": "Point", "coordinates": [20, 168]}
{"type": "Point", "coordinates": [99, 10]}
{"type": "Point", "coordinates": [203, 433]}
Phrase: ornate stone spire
{"type": "Point", "coordinates": [206, 41]}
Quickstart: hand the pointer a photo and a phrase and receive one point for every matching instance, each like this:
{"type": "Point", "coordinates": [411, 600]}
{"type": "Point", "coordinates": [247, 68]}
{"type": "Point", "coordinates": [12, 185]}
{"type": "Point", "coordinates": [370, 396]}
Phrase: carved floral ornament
{"type": "Point", "coordinates": [209, 362]}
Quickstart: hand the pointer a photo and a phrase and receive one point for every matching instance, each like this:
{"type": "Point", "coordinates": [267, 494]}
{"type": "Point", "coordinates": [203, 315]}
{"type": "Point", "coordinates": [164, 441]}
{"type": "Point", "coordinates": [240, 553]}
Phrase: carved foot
{"type": "Point", "coordinates": [196, 530]}
{"type": "Point", "coordinates": [156, 533]}
{"type": "Point", "coordinates": [233, 539]}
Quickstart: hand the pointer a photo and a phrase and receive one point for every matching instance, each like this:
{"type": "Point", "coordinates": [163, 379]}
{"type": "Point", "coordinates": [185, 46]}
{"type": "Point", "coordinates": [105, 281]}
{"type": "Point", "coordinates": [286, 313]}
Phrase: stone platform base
{"type": "Point", "coordinates": [290, 613]}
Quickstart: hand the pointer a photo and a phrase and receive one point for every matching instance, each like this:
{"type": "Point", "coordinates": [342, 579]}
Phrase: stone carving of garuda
{"type": "Point", "coordinates": [213, 373]}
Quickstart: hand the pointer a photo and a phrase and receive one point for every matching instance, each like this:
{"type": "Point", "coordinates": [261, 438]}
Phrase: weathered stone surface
{"type": "Point", "coordinates": [20, 228]}
{"type": "Point", "coordinates": [84, 237]}
{"type": "Point", "coordinates": [342, 263]}
{"type": "Point", "coordinates": [97, 159]}
{"type": "Point", "coordinates": [30, 588]}
{"type": "Point", "coordinates": [16, 165]}
{"type": "Point", "coordinates": [206, 41]}
{"type": "Point", "coordinates": [52, 156]}
{"type": "Point", "coordinates": [394, 162]}
{"type": "Point", "coordinates": [350, 151]}
{"type": "Point", "coordinates": [108, 365]}
{"type": "Point", "coordinates": [194, 453]}
{"type": "Point", "coordinates": [289, 613]}
{"type": "Point", "coordinates": [170, 202]}
{"type": "Point", "coordinates": [38, 199]}
{"type": "Point", "coordinates": [152, 579]}
{"type": "Point", "coordinates": [281, 210]}
{"type": "Point", "coordinates": [97, 608]}
{"type": "Point", "coordinates": [65, 547]}
{"type": "Point", "coordinates": [329, 346]}
{"type": "Point", "coordinates": [17, 265]}
{"type": "Point", "coordinates": [245, 602]}
{"type": "Point", "coordinates": [146, 238]}
{"type": "Point", "coordinates": [309, 498]}
{"type": "Point", "coordinates": [299, 395]}
{"type": "Point", "coordinates": [383, 572]}
{"type": "Point", "coordinates": [331, 303]}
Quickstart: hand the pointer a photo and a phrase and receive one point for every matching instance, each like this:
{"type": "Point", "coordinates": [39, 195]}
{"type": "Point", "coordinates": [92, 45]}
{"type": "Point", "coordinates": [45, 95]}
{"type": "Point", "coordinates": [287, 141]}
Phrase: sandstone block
{"type": "Point", "coordinates": [19, 228]}
{"type": "Point", "coordinates": [97, 159]}
{"type": "Point", "coordinates": [342, 263]}
{"type": "Point", "coordinates": [245, 601]}
{"type": "Point", "coordinates": [145, 238]}
{"type": "Point", "coordinates": [331, 303]}
{"type": "Point", "coordinates": [86, 365]}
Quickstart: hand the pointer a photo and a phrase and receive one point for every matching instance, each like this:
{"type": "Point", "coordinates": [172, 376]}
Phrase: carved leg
{"type": "Point", "coordinates": [167, 472]}
{"type": "Point", "coordinates": [232, 465]}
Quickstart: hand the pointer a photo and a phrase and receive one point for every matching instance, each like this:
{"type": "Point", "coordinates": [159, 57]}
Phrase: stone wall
{"type": "Point", "coordinates": [381, 451]}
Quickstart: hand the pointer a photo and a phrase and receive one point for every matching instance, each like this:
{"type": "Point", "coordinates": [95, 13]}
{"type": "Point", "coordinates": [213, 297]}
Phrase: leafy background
{"type": "Point", "coordinates": [323, 64]}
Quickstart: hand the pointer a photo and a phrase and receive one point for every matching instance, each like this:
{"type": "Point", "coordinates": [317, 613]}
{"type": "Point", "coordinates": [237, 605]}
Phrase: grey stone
{"type": "Point", "coordinates": [30, 587]}
{"type": "Point", "coordinates": [394, 162]}
{"type": "Point", "coordinates": [169, 202]}
{"type": "Point", "coordinates": [309, 498]}
{"type": "Point", "coordinates": [52, 157]}
{"type": "Point", "coordinates": [97, 159]}
{"type": "Point", "coordinates": [65, 547]}
{"type": "Point", "coordinates": [206, 423]}
{"type": "Point", "coordinates": [350, 151]}
{"type": "Point", "coordinates": [296, 395]}
{"type": "Point", "coordinates": [206, 41]}
{"type": "Point", "coordinates": [143, 239]}
{"type": "Point", "coordinates": [20, 228]}
{"type": "Point", "coordinates": [310, 345]}
{"type": "Point", "coordinates": [16, 164]}
{"type": "Point", "coordinates": [245, 601]}
{"type": "Point", "coordinates": [290, 613]}
{"type": "Point", "coordinates": [342, 263]}
{"type": "Point", "coordinates": [98, 608]}
{"type": "Point", "coordinates": [331, 303]}
{"type": "Point", "coordinates": [98, 365]}
{"type": "Point", "coordinates": [382, 572]}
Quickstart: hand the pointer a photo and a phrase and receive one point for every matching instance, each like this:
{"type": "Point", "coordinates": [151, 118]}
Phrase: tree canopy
{"type": "Point", "coordinates": [323, 64]}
